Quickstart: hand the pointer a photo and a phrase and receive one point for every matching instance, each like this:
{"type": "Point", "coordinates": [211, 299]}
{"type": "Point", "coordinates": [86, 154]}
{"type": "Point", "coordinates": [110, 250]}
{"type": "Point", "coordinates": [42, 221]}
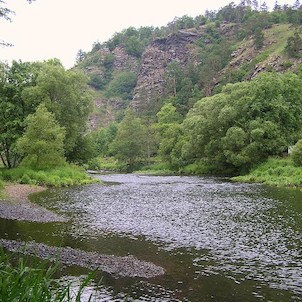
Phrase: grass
{"type": "Point", "coordinates": [24, 279]}
{"type": "Point", "coordinates": [275, 172]}
{"type": "Point", "coordinates": [68, 175]}
{"type": "Point", "coordinates": [157, 168]}
{"type": "Point", "coordinates": [106, 164]}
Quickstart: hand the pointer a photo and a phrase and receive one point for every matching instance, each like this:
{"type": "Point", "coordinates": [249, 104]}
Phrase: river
{"type": "Point", "coordinates": [216, 240]}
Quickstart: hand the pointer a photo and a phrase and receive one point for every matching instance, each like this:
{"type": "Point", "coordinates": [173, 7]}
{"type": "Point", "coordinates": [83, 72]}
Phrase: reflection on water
{"type": "Point", "coordinates": [218, 241]}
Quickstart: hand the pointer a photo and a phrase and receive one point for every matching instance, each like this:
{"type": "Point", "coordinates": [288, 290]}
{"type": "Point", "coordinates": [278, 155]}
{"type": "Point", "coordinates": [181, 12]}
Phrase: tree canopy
{"type": "Point", "coordinates": [43, 141]}
{"type": "Point", "coordinates": [246, 122]}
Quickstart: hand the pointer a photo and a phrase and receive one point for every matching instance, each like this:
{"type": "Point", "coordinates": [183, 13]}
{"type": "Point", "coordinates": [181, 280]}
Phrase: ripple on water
{"type": "Point", "coordinates": [247, 234]}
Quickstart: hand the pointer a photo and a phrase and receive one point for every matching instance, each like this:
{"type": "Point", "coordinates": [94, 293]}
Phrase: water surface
{"type": "Point", "coordinates": [217, 240]}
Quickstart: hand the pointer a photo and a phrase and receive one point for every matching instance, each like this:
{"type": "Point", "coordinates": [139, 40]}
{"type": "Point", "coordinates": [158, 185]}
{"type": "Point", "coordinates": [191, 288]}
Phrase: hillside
{"type": "Point", "coordinates": [139, 68]}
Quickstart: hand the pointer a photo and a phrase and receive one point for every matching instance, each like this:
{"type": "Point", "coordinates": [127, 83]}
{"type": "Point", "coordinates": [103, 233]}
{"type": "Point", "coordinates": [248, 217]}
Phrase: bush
{"type": "Point", "coordinates": [122, 85]}
{"type": "Point", "coordinates": [68, 175]}
{"type": "Point", "coordinates": [105, 163]}
{"type": "Point", "coordinates": [296, 154]}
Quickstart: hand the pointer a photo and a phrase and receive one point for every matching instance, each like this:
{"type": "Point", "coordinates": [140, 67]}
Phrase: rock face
{"type": "Point", "coordinates": [245, 63]}
{"type": "Point", "coordinates": [158, 55]}
{"type": "Point", "coordinates": [124, 62]}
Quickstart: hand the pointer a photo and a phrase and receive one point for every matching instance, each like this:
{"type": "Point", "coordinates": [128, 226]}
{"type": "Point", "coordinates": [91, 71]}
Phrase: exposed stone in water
{"type": "Point", "coordinates": [127, 266]}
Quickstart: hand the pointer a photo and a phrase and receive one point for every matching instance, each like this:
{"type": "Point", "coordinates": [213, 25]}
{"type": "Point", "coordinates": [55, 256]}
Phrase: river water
{"type": "Point", "coordinates": [216, 240]}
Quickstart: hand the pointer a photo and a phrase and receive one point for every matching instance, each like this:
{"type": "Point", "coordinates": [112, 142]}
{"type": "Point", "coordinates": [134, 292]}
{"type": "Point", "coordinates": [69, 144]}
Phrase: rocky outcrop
{"type": "Point", "coordinates": [158, 55]}
{"type": "Point", "coordinates": [124, 62]}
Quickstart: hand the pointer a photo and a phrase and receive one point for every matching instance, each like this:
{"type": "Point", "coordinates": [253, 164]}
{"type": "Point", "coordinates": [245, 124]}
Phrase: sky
{"type": "Point", "coordinates": [49, 29]}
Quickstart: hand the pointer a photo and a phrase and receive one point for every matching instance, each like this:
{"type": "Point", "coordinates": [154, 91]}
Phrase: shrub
{"type": "Point", "coordinates": [64, 176]}
{"type": "Point", "coordinates": [296, 154]}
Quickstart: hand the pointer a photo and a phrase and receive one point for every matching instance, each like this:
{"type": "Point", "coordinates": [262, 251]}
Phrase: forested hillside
{"type": "Point", "coordinates": [217, 93]}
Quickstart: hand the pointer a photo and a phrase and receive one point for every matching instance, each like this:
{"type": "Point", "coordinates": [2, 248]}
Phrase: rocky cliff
{"type": "Point", "coordinates": [177, 47]}
{"type": "Point", "coordinates": [183, 46]}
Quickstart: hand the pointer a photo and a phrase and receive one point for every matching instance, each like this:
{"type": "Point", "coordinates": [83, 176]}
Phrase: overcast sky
{"type": "Point", "coordinates": [59, 28]}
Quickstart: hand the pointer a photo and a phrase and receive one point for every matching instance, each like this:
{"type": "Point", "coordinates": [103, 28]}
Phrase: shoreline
{"type": "Point", "coordinates": [17, 206]}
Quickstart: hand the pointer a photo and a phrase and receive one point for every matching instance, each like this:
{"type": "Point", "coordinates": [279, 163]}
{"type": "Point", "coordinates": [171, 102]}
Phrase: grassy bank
{"type": "Point", "coordinates": [67, 175]}
{"type": "Point", "coordinates": [275, 172]}
{"type": "Point", "coordinates": [26, 279]}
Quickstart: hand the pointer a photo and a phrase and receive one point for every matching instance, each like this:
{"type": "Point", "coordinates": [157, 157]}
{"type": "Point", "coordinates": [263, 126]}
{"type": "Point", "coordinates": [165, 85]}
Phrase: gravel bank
{"type": "Point", "coordinates": [127, 266]}
{"type": "Point", "coordinates": [18, 207]}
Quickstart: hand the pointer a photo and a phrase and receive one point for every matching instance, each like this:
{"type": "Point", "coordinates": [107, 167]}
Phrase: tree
{"type": "Point", "coordinates": [134, 47]}
{"type": "Point", "coordinates": [296, 154]}
{"type": "Point", "coordinates": [43, 141]}
{"type": "Point", "coordinates": [259, 38]}
{"type": "Point", "coordinates": [13, 107]}
{"type": "Point", "coordinates": [246, 122]}
{"type": "Point", "coordinates": [5, 13]}
{"type": "Point", "coordinates": [294, 45]}
{"type": "Point", "coordinates": [66, 94]}
{"type": "Point", "coordinates": [122, 85]}
{"type": "Point", "coordinates": [129, 143]}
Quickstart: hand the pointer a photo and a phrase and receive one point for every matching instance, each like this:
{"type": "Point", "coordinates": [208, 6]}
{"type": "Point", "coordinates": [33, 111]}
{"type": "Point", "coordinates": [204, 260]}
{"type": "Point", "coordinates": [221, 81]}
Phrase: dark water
{"type": "Point", "coordinates": [217, 240]}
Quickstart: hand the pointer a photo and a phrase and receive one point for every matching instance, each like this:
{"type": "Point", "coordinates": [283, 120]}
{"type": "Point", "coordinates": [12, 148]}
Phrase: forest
{"type": "Point", "coordinates": [209, 119]}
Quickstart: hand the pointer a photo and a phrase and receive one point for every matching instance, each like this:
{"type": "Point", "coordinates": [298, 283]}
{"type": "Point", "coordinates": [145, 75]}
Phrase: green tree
{"type": "Point", "coordinates": [134, 47]}
{"type": "Point", "coordinates": [66, 94]}
{"type": "Point", "coordinates": [5, 13]}
{"type": "Point", "coordinates": [122, 85]}
{"type": "Point", "coordinates": [104, 138]}
{"type": "Point", "coordinates": [14, 80]}
{"type": "Point", "coordinates": [168, 115]}
{"type": "Point", "coordinates": [259, 38]}
{"type": "Point", "coordinates": [129, 143]}
{"type": "Point", "coordinates": [42, 144]}
{"type": "Point", "coordinates": [169, 130]}
{"type": "Point", "coordinates": [247, 122]}
{"type": "Point", "coordinates": [296, 154]}
{"type": "Point", "coordinates": [294, 45]}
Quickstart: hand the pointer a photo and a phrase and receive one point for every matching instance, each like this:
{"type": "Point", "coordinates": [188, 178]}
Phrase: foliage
{"type": "Point", "coordinates": [67, 175]}
{"type": "Point", "coordinates": [274, 172]}
{"type": "Point", "coordinates": [24, 279]}
{"type": "Point", "coordinates": [132, 39]}
{"type": "Point", "coordinates": [168, 115]}
{"type": "Point", "coordinates": [157, 168]}
{"type": "Point", "coordinates": [129, 143]}
{"type": "Point", "coordinates": [13, 108]}
{"type": "Point", "coordinates": [294, 45]}
{"type": "Point", "coordinates": [106, 164]}
{"type": "Point", "coordinates": [66, 94]}
{"type": "Point", "coordinates": [134, 47]}
{"type": "Point", "coordinates": [122, 85]}
{"type": "Point", "coordinates": [169, 131]}
{"type": "Point", "coordinates": [86, 148]}
{"type": "Point", "coordinates": [42, 143]}
{"type": "Point", "coordinates": [246, 123]}
{"type": "Point", "coordinates": [259, 39]}
{"type": "Point", "coordinates": [296, 154]}
{"type": "Point", "coordinates": [104, 138]}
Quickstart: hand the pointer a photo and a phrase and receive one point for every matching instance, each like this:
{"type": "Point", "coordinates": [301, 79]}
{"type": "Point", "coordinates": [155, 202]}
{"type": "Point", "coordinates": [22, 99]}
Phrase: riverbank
{"type": "Point", "coordinates": [280, 172]}
{"type": "Point", "coordinates": [16, 205]}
